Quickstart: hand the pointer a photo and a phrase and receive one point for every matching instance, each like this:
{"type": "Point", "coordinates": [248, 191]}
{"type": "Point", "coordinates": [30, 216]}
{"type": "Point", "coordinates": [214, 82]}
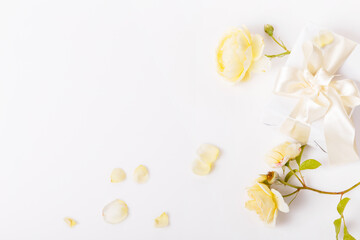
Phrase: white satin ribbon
{"type": "Point", "coordinates": [322, 96]}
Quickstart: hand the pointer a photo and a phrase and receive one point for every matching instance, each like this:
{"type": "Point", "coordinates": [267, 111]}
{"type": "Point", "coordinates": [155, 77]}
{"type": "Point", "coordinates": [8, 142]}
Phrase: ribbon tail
{"type": "Point", "coordinates": [339, 132]}
{"type": "Point", "coordinates": [296, 125]}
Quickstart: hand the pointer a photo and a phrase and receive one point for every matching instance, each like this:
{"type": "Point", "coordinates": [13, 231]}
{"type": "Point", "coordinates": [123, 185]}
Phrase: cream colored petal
{"type": "Point", "coordinates": [265, 188]}
{"type": "Point", "coordinates": [324, 38]}
{"type": "Point", "coordinates": [201, 168]}
{"type": "Point", "coordinates": [257, 45]}
{"type": "Point", "coordinates": [261, 65]}
{"type": "Point", "coordinates": [141, 174]}
{"type": "Point", "coordinates": [70, 222]}
{"type": "Point", "coordinates": [280, 202]}
{"type": "Point", "coordinates": [247, 63]}
{"type": "Point", "coordinates": [115, 212]}
{"type": "Point", "coordinates": [162, 220]}
{"type": "Point", "coordinates": [208, 153]}
{"type": "Point", "coordinates": [272, 221]}
{"type": "Point", "coordinates": [274, 158]}
{"type": "Point", "coordinates": [246, 33]}
{"type": "Point", "coordinates": [293, 150]}
{"type": "Point", "coordinates": [117, 175]}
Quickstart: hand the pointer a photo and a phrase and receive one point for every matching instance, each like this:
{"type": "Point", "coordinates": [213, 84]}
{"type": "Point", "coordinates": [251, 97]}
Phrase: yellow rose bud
{"type": "Point", "coordinates": [282, 153]}
{"type": "Point", "coordinates": [266, 203]}
{"type": "Point", "coordinates": [269, 178]}
{"type": "Point", "coordinates": [240, 53]}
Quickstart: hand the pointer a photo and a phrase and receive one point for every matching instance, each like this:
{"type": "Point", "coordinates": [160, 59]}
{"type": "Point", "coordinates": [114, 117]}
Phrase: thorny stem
{"type": "Point", "coordinates": [317, 190]}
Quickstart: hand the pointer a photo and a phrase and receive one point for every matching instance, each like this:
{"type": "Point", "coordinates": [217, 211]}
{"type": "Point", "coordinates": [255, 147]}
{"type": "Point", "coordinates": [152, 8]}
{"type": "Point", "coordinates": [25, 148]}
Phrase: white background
{"type": "Point", "coordinates": [86, 86]}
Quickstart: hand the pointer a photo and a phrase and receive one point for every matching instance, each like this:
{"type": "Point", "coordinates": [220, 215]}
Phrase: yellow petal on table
{"type": "Point", "coordinates": [201, 168]}
{"type": "Point", "coordinates": [208, 153]}
{"type": "Point", "coordinates": [117, 175]}
{"type": "Point", "coordinates": [162, 220]}
{"type": "Point", "coordinates": [141, 174]}
{"type": "Point", "coordinates": [115, 212]}
{"type": "Point", "coordinates": [70, 222]}
{"type": "Point", "coordinates": [324, 38]}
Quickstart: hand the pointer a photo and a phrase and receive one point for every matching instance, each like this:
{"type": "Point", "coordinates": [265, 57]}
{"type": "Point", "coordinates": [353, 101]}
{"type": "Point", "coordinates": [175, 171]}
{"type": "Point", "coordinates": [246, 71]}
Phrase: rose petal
{"type": "Point", "coordinates": [261, 65]}
{"type": "Point", "coordinates": [247, 64]}
{"type": "Point", "coordinates": [117, 175]}
{"type": "Point", "coordinates": [324, 38]}
{"type": "Point", "coordinates": [280, 202]}
{"type": "Point", "coordinates": [208, 153]}
{"type": "Point", "coordinates": [70, 222]}
{"type": "Point", "coordinates": [115, 212]}
{"type": "Point", "coordinates": [141, 174]}
{"type": "Point", "coordinates": [162, 220]}
{"type": "Point", "coordinates": [257, 45]}
{"type": "Point", "coordinates": [201, 168]}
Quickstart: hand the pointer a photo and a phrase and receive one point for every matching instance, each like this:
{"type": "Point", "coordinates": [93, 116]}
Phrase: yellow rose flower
{"type": "Point", "coordinates": [282, 153]}
{"type": "Point", "coordinates": [266, 203]}
{"type": "Point", "coordinates": [240, 53]}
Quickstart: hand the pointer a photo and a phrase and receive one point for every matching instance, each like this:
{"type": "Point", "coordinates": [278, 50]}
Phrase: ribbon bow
{"type": "Point", "coordinates": [322, 95]}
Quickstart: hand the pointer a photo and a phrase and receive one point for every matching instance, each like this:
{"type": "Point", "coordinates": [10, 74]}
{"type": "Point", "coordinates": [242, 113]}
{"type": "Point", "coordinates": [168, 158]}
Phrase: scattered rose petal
{"type": "Point", "coordinates": [115, 212]}
{"type": "Point", "coordinates": [324, 38]}
{"type": "Point", "coordinates": [208, 153]}
{"type": "Point", "coordinates": [201, 168]}
{"type": "Point", "coordinates": [118, 175]}
{"type": "Point", "coordinates": [141, 174]}
{"type": "Point", "coordinates": [70, 222]}
{"type": "Point", "coordinates": [162, 220]}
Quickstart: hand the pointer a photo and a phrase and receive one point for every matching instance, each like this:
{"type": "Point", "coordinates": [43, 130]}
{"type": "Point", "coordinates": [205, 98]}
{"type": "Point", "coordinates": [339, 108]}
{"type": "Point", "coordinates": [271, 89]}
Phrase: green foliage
{"type": "Point", "coordinates": [309, 164]}
{"type": "Point", "coordinates": [347, 235]}
{"type": "Point", "coordinates": [337, 224]}
{"type": "Point", "coordinates": [289, 175]}
{"type": "Point", "coordinates": [298, 158]}
{"type": "Point", "coordinates": [341, 205]}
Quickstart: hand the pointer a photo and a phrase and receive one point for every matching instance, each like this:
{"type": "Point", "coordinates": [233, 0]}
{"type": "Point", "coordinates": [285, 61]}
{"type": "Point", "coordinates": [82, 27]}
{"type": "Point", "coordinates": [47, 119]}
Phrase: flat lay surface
{"type": "Point", "coordinates": [89, 86]}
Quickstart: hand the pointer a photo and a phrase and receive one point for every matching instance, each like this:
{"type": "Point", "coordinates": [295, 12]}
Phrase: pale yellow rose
{"type": "Point", "coordinates": [266, 203]}
{"type": "Point", "coordinates": [282, 153]}
{"type": "Point", "coordinates": [240, 53]}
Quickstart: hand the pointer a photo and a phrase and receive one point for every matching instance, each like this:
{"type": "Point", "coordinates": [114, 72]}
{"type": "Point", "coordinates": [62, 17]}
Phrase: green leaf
{"type": "Point", "coordinates": [337, 224]}
{"type": "Point", "coordinates": [298, 158]}
{"type": "Point", "coordinates": [347, 235]}
{"type": "Point", "coordinates": [289, 175]}
{"type": "Point", "coordinates": [310, 164]}
{"type": "Point", "coordinates": [342, 204]}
